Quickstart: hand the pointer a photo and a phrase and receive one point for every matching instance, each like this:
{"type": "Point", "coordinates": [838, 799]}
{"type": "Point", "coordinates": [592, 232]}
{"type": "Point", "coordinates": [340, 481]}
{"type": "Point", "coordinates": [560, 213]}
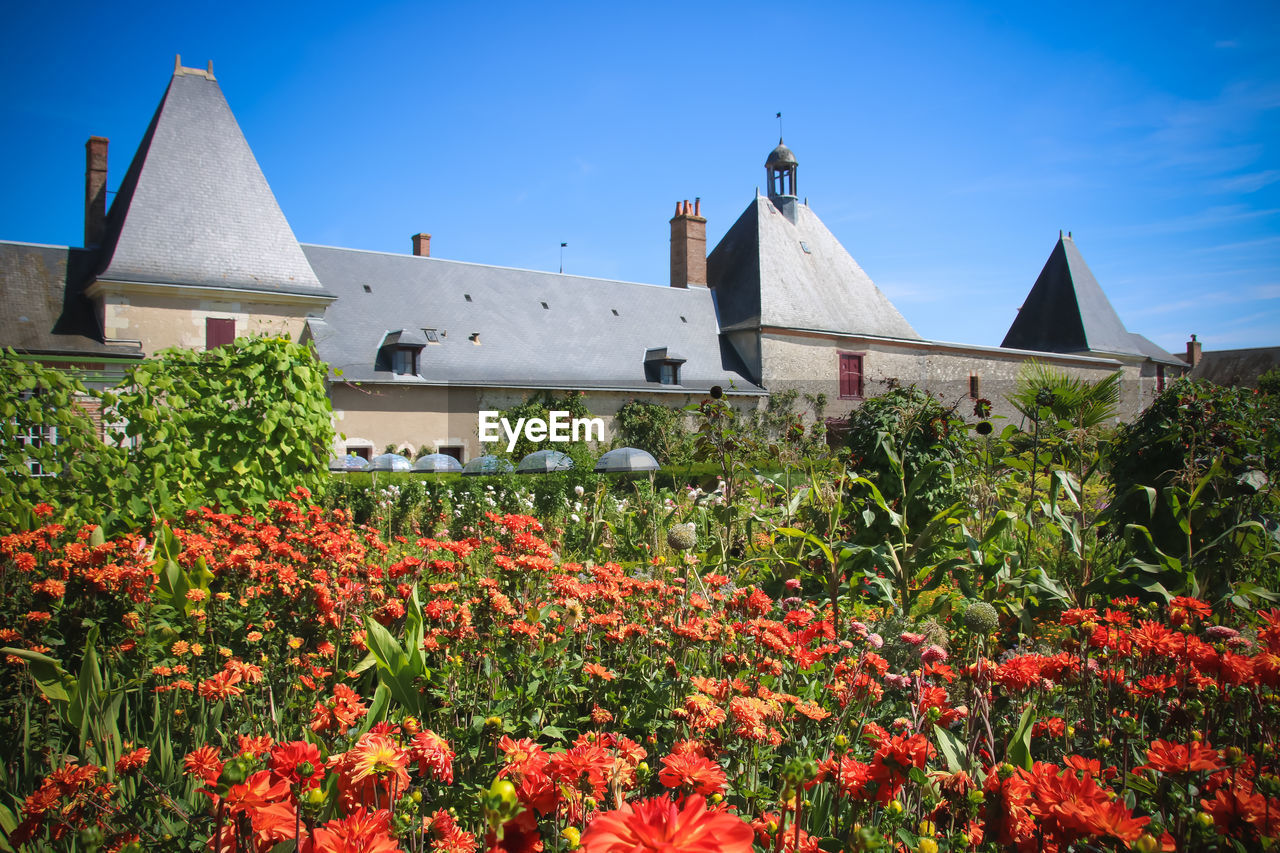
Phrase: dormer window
{"type": "Point", "coordinates": [404, 361]}
{"type": "Point", "coordinates": [400, 350]}
{"type": "Point", "coordinates": [662, 366]}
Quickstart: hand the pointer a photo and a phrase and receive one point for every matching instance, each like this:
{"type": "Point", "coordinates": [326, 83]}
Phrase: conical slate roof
{"type": "Point", "coordinates": [1067, 312]}
{"type": "Point", "coordinates": [194, 207]}
{"type": "Point", "coordinates": [771, 271]}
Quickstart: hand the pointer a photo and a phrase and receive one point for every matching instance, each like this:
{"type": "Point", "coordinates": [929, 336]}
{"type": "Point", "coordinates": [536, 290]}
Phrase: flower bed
{"type": "Point", "coordinates": [291, 682]}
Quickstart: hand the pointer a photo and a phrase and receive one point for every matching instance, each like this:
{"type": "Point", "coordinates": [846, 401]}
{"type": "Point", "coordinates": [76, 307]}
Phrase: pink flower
{"type": "Point", "coordinates": [932, 654]}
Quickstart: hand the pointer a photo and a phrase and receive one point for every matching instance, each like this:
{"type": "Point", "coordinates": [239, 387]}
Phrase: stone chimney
{"type": "Point", "coordinates": [422, 245]}
{"type": "Point", "coordinates": [1193, 352]}
{"type": "Point", "coordinates": [688, 245]}
{"type": "Point", "coordinates": [95, 190]}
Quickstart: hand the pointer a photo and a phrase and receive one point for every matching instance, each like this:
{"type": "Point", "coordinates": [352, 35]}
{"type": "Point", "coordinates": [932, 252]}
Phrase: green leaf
{"type": "Point", "coordinates": [952, 750]}
{"type": "Point", "coordinates": [1019, 751]}
{"type": "Point", "coordinates": [377, 709]}
{"type": "Point", "coordinates": [48, 673]}
{"type": "Point", "coordinates": [553, 732]}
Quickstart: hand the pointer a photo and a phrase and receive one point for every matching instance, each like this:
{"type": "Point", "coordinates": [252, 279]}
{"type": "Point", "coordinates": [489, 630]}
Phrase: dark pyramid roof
{"type": "Point", "coordinates": [46, 311]}
{"type": "Point", "coordinates": [1067, 311]}
{"type": "Point", "coordinates": [769, 271]}
{"type": "Point", "coordinates": [194, 207]}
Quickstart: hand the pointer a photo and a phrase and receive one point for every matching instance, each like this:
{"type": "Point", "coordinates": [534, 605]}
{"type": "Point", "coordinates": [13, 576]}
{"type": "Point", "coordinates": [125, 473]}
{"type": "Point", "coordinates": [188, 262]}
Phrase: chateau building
{"type": "Point", "coordinates": [195, 251]}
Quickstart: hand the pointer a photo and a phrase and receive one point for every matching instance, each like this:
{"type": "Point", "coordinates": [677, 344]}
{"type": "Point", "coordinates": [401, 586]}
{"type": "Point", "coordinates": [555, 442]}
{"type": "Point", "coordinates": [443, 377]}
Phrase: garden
{"type": "Point", "coordinates": [919, 628]}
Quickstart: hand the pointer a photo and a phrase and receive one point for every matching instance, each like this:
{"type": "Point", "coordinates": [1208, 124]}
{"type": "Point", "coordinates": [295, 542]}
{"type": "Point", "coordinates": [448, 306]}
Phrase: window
{"type": "Point", "coordinates": [1159, 378]}
{"type": "Point", "coordinates": [218, 332]}
{"type": "Point", "coordinates": [404, 361]}
{"type": "Point", "coordinates": [451, 450]}
{"type": "Point", "coordinates": [36, 437]}
{"type": "Point", "coordinates": [850, 376]}
{"type": "Point", "coordinates": [669, 373]}
{"type": "Point", "coordinates": [975, 386]}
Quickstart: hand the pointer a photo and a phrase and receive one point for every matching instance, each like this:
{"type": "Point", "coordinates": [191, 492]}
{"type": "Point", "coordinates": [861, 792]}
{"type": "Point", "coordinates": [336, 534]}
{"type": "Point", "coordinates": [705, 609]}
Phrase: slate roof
{"type": "Point", "coordinates": [1066, 311]}
{"type": "Point", "coordinates": [45, 309]}
{"type": "Point", "coordinates": [770, 271]}
{"type": "Point", "coordinates": [1240, 367]}
{"type": "Point", "coordinates": [194, 207]}
{"type": "Point", "coordinates": [592, 334]}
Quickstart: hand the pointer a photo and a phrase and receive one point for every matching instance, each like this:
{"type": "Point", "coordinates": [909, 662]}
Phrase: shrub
{"type": "Point", "coordinates": [659, 429]}
{"type": "Point", "coordinates": [234, 426]}
{"type": "Point", "coordinates": [915, 428]}
{"type": "Point", "coordinates": [1197, 473]}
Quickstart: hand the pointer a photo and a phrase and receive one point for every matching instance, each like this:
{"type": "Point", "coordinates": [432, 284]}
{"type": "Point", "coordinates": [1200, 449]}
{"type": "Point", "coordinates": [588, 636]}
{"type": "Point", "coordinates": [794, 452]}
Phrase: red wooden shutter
{"type": "Point", "coordinates": [218, 332]}
{"type": "Point", "coordinates": [850, 376]}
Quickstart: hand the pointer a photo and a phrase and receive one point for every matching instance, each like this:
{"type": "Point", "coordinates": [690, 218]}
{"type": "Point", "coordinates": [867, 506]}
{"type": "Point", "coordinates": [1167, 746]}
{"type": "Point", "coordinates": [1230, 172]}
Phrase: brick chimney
{"type": "Point", "coordinates": [1193, 352]}
{"type": "Point", "coordinates": [688, 245]}
{"type": "Point", "coordinates": [95, 190]}
{"type": "Point", "coordinates": [422, 245]}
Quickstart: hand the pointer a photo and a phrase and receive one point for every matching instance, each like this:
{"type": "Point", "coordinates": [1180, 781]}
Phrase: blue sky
{"type": "Point", "coordinates": [944, 144]}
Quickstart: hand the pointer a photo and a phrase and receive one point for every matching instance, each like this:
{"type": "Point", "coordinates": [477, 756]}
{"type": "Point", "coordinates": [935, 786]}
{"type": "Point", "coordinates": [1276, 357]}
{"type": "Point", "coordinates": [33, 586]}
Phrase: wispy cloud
{"type": "Point", "coordinates": [1213, 217]}
{"type": "Point", "coordinates": [1250, 182]}
{"type": "Point", "coordinates": [1257, 293]}
{"type": "Point", "coordinates": [1261, 242]}
{"type": "Point", "coordinates": [909, 292]}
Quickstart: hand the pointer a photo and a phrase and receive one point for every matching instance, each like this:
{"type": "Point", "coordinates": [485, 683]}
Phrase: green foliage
{"type": "Point", "coordinates": [659, 429]}
{"type": "Point", "coordinates": [1269, 382]}
{"type": "Point", "coordinates": [78, 471]}
{"type": "Point", "coordinates": [235, 426]}
{"type": "Point", "coordinates": [540, 405]}
{"type": "Point", "coordinates": [1195, 489]}
{"type": "Point", "coordinates": [1047, 394]}
{"type": "Point", "coordinates": [780, 431]}
{"type": "Point", "coordinates": [895, 438]}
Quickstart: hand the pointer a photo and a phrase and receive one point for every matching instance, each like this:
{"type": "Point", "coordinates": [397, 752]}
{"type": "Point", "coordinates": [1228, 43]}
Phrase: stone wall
{"type": "Point", "coordinates": [162, 321]}
{"type": "Point", "coordinates": [810, 363]}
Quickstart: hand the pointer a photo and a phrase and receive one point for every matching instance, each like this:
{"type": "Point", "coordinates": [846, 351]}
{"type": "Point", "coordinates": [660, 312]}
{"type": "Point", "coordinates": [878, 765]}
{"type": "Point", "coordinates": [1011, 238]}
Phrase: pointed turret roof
{"type": "Point", "coordinates": [776, 268]}
{"type": "Point", "coordinates": [1066, 311]}
{"type": "Point", "coordinates": [194, 208]}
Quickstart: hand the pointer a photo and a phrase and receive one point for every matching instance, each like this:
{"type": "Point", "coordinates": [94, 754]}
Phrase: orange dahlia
{"type": "Point", "coordinates": [662, 826]}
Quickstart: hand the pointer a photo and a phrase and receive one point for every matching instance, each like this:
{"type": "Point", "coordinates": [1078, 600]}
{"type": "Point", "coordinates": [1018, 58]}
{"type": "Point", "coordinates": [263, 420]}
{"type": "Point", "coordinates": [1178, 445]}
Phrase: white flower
{"type": "Point", "coordinates": [574, 518]}
{"type": "Point", "coordinates": [578, 490]}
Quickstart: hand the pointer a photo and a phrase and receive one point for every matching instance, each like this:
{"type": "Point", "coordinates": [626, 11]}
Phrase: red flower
{"type": "Point", "coordinates": [661, 826]}
{"type": "Point", "coordinates": [132, 761]}
{"type": "Point", "coordinates": [1167, 757]}
{"type": "Point", "coordinates": [204, 763]}
{"type": "Point", "coordinates": [287, 760]}
{"type": "Point", "coordinates": [432, 752]}
{"type": "Point", "coordinates": [694, 773]}
{"type": "Point", "coordinates": [359, 832]}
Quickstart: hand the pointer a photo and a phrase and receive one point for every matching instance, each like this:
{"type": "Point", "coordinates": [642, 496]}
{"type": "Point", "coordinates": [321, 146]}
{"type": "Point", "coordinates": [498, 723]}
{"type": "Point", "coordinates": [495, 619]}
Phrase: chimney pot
{"type": "Point", "coordinates": [95, 190]}
{"type": "Point", "coordinates": [688, 245]}
{"type": "Point", "coordinates": [422, 245]}
{"type": "Point", "coordinates": [1193, 352]}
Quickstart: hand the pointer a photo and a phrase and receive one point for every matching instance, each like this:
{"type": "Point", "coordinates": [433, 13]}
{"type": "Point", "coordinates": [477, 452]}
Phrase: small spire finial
{"type": "Point", "coordinates": [779, 128]}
